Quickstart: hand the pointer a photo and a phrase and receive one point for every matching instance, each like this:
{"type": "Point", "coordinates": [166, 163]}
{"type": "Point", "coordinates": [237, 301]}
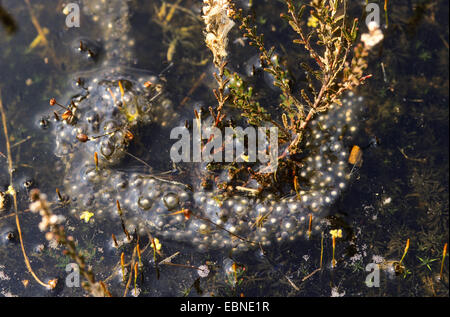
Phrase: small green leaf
{"type": "Point", "coordinates": [347, 36]}
{"type": "Point", "coordinates": [300, 12]}
{"type": "Point", "coordinates": [354, 31]}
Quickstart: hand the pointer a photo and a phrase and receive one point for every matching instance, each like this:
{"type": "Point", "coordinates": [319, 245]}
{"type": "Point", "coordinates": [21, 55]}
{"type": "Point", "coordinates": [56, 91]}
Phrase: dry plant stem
{"type": "Point", "coordinates": [122, 222]}
{"type": "Point", "coordinates": [266, 57]}
{"type": "Point", "coordinates": [299, 31]}
{"type": "Point", "coordinates": [133, 261]}
{"type": "Point", "coordinates": [333, 261]}
{"type": "Point", "coordinates": [10, 169]}
{"type": "Point", "coordinates": [71, 250]}
{"type": "Point", "coordinates": [292, 283]}
{"type": "Point", "coordinates": [219, 92]}
{"type": "Point", "coordinates": [444, 253]}
{"type": "Point", "coordinates": [222, 228]}
{"type": "Point", "coordinates": [404, 252]}
{"type": "Point", "coordinates": [321, 251]}
{"type": "Point", "coordinates": [118, 265]}
{"type": "Point", "coordinates": [181, 265]}
{"type": "Point", "coordinates": [311, 274]}
{"type": "Point", "coordinates": [40, 31]}
{"type": "Point", "coordinates": [154, 176]}
{"type": "Point", "coordinates": [36, 24]}
{"type": "Point", "coordinates": [193, 89]}
{"type": "Point", "coordinates": [330, 71]}
{"type": "Point", "coordinates": [308, 118]}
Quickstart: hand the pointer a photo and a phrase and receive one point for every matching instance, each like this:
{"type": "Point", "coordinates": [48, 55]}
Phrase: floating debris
{"type": "Point", "coordinates": [4, 201]}
{"type": "Point", "coordinates": [374, 36]}
{"type": "Point", "coordinates": [86, 216]}
{"type": "Point", "coordinates": [203, 271]}
{"type": "Point", "coordinates": [355, 157]}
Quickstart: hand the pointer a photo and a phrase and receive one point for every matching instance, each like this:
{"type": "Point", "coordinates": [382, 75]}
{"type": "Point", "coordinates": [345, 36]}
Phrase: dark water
{"type": "Point", "coordinates": [399, 193]}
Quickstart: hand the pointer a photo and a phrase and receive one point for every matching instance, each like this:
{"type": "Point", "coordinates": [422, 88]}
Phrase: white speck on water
{"type": "Point", "coordinates": [377, 259]}
{"type": "Point", "coordinates": [335, 292]}
{"type": "Point", "coordinates": [4, 277]}
{"type": "Point", "coordinates": [203, 271]}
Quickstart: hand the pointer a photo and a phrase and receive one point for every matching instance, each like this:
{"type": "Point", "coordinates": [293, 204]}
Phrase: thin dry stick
{"type": "Point", "coordinates": [193, 89]}
{"type": "Point", "coordinates": [182, 265]}
{"type": "Point", "coordinates": [10, 169]}
{"type": "Point", "coordinates": [292, 283]}
{"type": "Point", "coordinates": [40, 31]}
{"type": "Point", "coordinates": [133, 261]}
{"type": "Point", "coordinates": [311, 274]}
{"type": "Point", "coordinates": [132, 264]}
{"type": "Point", "coordinates": [321, 251]}
{"type": "Point", "coordinates": [169, 258]}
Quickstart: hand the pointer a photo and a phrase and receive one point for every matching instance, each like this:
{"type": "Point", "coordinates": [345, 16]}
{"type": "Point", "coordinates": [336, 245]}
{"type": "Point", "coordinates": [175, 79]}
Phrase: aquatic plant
{"type": "Point", "coordinates": [51, 224]}
{"type": "Point", "coordinates": [339, 67]}
{"type": "Point", "coordinates": [426, 262]}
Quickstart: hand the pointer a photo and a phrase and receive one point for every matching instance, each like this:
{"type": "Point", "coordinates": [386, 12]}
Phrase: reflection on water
{"type": "Point", "coordinates": [400, 192]}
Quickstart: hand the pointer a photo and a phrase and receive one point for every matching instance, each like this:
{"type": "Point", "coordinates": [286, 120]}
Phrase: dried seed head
{"type": "Point", "coordinates": [187, 213]}
{"type": "Point", "coordinates": [129, 136]}
{"type": "Point", "coordinates": [52, 283]}
{"type": "Point", "coordinates": [79, 82]}
{"type": "Point", "coordinates": [119, 209]}
{"type": "Point", "coordinates": [96, 160]}
{"type": "Point", "coordinates": [81, 47]}
{"type": "Point", "coordinates": [114, 240]}
{"type": "Point", "coordinates": [67, 115]}
{"type": "Point", "coordinates": [82, 137]}
{"type": "Point", "coordinates": [34, 194]}
{"type": "Point", "coordinates": [52, 102]}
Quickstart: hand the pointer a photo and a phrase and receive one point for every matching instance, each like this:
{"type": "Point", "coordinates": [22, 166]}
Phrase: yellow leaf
{"type": "Point", "coordinates": [337, 233]}
{"type": "Point", "coordinates": [245, 157]}
{"type": "Point", "coordinates": [156, 244]}
{"type": "Point", "coordinates": [11, 191]}
{"type": "Point", "coordinates": [37, 40]}
{"type": "Point", "coordinates": [86, 216]}
{"type": "Point", "coordinates": [313, 21]}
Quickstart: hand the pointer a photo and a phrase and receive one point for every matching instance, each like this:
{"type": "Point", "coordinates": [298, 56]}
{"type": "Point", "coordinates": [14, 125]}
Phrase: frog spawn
{"type": "Point", "coordinates": [104, 108]}
{"type": "Point", "coordinates": [118, 103]}
{"type": "Point", "coordinates": [106, 113]}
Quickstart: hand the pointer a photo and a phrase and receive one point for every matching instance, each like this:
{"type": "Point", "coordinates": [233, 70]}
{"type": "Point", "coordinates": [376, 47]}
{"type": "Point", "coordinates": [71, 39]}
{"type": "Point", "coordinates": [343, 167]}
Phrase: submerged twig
{"type": "Point", "coordinates": [40, 31]}
{"type": "Point", "coordinates": [14, 195]}
{"type": "Point", "coordinates": [311, 274]}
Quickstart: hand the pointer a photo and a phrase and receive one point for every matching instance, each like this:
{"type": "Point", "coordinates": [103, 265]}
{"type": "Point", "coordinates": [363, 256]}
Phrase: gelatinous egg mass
{"type": "Point", "coordinates": [115, 105]}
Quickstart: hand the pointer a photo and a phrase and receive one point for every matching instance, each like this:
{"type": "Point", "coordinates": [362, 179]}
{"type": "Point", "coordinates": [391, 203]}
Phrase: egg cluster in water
{"type": "Point", "coordinates": [112, 108]}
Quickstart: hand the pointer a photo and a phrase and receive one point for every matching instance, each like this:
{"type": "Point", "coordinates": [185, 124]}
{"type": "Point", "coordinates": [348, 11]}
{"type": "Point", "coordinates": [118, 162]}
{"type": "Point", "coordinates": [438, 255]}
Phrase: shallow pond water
{"type": "Point", "coordinates": [399, 192]}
